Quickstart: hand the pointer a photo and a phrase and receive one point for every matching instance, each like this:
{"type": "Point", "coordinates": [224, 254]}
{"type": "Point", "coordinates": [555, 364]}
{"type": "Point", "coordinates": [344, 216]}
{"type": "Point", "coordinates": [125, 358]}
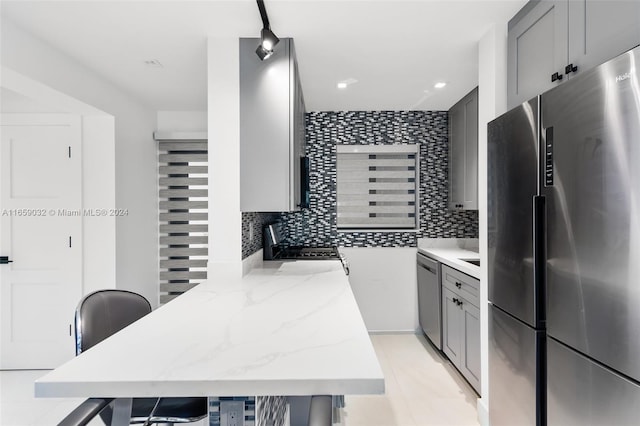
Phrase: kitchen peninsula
{"type": "Point", "coordinates": [287, 328]}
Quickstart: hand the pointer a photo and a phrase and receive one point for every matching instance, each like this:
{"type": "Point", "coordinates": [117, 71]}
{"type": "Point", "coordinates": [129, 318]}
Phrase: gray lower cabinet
{"type": "Point", "coordinates": [550, 41]}
{"type": "Point", "coordinates": [463, 153]}
{"type": "Point", "coordinates": [461, 323]}
{"type": "Point", "coordinates": [452, 332]}
{"type": "Point", "coordinates": [272, 139]}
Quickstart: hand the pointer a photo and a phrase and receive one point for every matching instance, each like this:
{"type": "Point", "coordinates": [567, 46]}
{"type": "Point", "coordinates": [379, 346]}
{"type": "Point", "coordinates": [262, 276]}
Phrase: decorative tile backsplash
{"type": "Point", "coordinates": [316, 226]}
{"type": "Point", "coordinates": [248, 414]}
{"type": "Point", "coordinates": [252, 224]}
{"type": "Point", "coordinates": [271, 411]}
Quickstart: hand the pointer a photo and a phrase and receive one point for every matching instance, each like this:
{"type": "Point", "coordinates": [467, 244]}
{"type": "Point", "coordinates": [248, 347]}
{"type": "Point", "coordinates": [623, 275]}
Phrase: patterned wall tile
{"type": "Point", "coordinates": [316, 226]}
{"type": "Point", "coordinates": [271, 411]}
{"type": "Point", "coordinates": [252, 224]}
{"type": "Point", "coordinates": [249, 415]}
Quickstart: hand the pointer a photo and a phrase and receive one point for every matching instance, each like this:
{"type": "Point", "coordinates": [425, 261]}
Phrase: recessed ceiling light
{"type": "Point", "coordinates": [440, 85]}
{"type": "Point", "coordinates": [153, 63]}
{"type": "Point", "coordinates": [346, 83]}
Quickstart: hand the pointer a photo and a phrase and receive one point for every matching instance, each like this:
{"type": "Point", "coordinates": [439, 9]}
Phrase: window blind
{"type": "Point", "coordinates": [377, 186]}
{"type": "Point", "coordinates": [183, 207]}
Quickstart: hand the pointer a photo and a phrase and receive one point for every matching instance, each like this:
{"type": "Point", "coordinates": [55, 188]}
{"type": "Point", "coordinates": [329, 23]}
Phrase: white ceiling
{"type": "Point", "coordinates": [395, 49]}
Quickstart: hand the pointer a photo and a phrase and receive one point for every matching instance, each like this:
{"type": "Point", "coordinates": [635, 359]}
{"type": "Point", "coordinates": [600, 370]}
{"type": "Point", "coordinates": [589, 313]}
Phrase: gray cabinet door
{"type": "Point", "coordinates": [546, 36]}
{"type": "Point", "coordinates": [451, 326]}
{"type": "Point", "coordinates": [600, 30]}
{"type": "Point", "coordinates": [470, 355]}
{"type": "Point", "coordinates": [297, 132]}
{"type": "Point", "coordinates": [456, 156]}
{"type": "Point", "coordinates": [536, 49]}
{"type": "Point", "coordinates": [271, 129]}
{"type": "Point", "coordinates": [463, 153]}
{"type": "Point", "coordinates": [461, 333]}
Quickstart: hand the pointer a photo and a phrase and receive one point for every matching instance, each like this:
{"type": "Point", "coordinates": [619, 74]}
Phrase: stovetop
{"type": "Point", "coordinates": [310, 253]}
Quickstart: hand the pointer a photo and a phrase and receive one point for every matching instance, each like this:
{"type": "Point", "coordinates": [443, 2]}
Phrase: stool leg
{"type": "Point", "coordinates": [121, 412]}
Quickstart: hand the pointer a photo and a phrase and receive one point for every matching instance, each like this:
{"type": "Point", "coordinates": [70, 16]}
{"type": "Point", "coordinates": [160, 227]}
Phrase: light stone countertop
{"type": "Point", "coordinates": [288, 328]}
{"type": "Point", "coordinates": [451, 256]}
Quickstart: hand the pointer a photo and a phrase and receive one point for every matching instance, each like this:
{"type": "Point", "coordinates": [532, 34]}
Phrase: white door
{"type": "Point", "coordinates": [40, 232]}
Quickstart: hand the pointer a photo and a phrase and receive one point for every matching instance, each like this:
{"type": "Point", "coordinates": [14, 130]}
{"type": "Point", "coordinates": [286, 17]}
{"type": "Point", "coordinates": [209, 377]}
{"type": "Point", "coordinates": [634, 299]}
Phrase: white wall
{"type": "Point", "coordinates": [492, 72]}
{"type": "Point", "coordinates": [135, 153]}
{"type": "Point", "coordinates": [383, 280]}
{"type": "Point", "coordinates": [225, 218]}
{"type": "Point", "coordinates": [98, 192]}
{"type": "Point", "coordinates": [98, 173]}
{"type": "Point", "coordinates": [182, 121]}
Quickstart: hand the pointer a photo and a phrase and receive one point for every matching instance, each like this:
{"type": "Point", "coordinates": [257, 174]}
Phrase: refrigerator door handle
{"type": "Point", "coordinates": [539, 258]}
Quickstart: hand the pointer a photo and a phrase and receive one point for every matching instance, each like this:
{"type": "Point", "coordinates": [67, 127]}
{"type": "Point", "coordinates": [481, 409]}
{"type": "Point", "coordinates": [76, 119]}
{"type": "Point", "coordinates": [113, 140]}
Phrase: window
{"type": "Point", "coordinates": [182, 183]}
{"type": "Point", "coordinates": [378, 186]}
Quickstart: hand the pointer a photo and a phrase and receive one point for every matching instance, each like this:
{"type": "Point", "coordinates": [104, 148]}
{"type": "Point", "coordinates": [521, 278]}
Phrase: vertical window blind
{"type": "Point", "coordinates": [377, 186]}
{"type": "Point", "coordinates": [183, 207]}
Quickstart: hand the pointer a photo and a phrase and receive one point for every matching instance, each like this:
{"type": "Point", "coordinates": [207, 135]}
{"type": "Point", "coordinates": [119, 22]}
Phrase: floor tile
{"type": "Point", "coordinates": [376, 411]}
{"type": "Point", "coordinates": [443, 412]}
{"type": "Point", "coordinates": [419, 379]}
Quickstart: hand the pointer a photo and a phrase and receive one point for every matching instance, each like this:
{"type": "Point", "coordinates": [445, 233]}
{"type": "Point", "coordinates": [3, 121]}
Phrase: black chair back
{"type": "Point", "coordinates": [105, 312]}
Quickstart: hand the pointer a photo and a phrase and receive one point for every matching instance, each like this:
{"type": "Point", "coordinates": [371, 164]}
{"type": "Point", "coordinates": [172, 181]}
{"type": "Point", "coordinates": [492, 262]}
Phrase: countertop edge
{"type": "Point", "coordinates": [212, 302]}
{"type": "Point", "coordinates": [451, 257]}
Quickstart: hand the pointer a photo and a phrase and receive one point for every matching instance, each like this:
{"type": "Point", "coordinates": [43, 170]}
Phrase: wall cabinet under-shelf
{"type": "Point", "coordinates": [272, 129]}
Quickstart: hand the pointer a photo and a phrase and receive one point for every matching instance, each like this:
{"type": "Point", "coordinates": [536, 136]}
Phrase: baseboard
{"type": "Point", "coordinates": [483, 412]}
{"type": "Point", "coordinates": [394, 331]}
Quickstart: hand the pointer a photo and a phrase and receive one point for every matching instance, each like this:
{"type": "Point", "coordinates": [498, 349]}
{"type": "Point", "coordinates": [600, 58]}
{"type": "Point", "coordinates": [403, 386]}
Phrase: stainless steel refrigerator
{"type": "Point", "coordinates": [564, 253]}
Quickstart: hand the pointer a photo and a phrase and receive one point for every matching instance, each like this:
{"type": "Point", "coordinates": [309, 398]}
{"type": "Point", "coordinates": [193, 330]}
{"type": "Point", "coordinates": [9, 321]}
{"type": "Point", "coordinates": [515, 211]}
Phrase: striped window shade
{"type": "Point", "coordinates": [183, 206]}
{"type": "Point", "coordinates": [378, 186]}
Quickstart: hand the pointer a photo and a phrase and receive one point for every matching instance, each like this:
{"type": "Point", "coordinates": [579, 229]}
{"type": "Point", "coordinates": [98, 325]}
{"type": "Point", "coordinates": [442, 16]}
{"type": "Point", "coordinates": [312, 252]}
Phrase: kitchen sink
{"type": "Point", "coordinates": [472, 261]}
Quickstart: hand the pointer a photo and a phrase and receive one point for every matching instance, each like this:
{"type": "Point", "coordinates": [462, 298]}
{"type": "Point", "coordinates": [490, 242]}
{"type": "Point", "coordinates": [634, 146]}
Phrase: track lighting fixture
{"type": "Point", "coordinates": [268, 39]}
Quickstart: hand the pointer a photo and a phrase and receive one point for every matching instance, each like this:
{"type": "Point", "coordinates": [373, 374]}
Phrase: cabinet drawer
{"type": "Point", "coordinates": [462, 284]}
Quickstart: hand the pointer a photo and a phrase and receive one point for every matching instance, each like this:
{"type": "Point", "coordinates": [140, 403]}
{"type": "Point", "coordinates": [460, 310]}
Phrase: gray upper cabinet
{"type": "Point", "coordinates": [463, 153]}
{"type": "Point", "coordinates": [601, 30]}
{"type": "Point", "coordinates": [272, 129]}
{"type": "Point", "coordinates": [551, 41]}
{"type": "Point", "coordinates": [536, 49]}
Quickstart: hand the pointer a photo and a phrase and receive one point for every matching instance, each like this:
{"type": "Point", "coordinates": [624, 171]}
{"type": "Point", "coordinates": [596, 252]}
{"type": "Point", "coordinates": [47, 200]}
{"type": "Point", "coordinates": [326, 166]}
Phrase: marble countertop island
{"type": "Point", "coordinates": [288, 328]}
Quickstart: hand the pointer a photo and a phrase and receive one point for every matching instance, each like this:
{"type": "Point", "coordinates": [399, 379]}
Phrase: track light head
{"type": "Point", "coordinates": [263, 53]}
{"type": "Point", "coordinates": [268, 41]}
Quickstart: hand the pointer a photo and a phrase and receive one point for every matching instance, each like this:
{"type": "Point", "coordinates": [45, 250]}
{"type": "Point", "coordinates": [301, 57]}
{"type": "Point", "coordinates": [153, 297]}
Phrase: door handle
{"type": "Point", "coordinates": [4, 260]}
{"type": "Point", "coordinates": [556, 76]}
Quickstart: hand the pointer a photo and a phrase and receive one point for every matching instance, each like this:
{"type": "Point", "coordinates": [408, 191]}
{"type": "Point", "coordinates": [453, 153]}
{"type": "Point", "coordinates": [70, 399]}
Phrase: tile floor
{"type": "Point", "coordinates": [422, 389]}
